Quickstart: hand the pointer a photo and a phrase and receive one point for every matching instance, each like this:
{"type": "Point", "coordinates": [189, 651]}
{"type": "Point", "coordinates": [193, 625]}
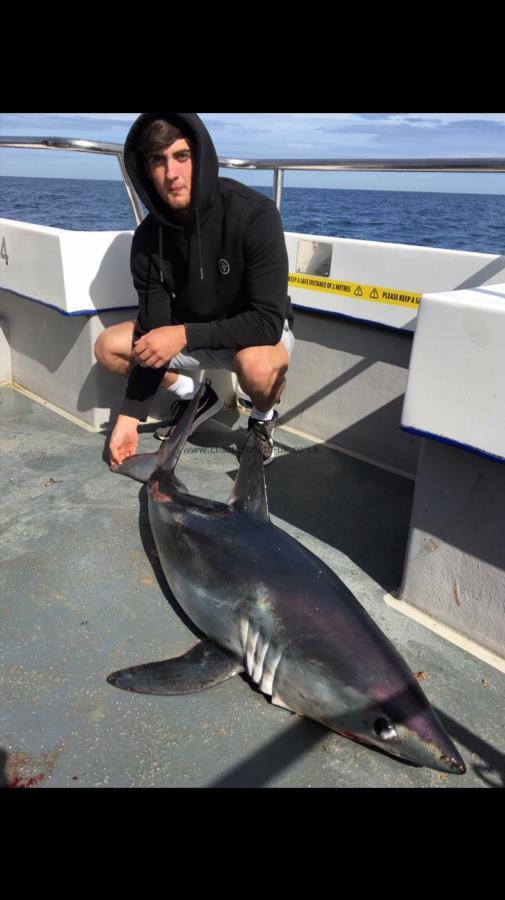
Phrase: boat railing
{"type": "Point", "coordinates": [278, 166]}
{"type": "Point", "coordinates": [80, 146]}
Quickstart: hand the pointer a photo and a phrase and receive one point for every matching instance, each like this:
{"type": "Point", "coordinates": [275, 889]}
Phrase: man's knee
{"type": "Point", "coordinates": [261, 367]}
{"type": "Point", "coordinates": [258, 374]}
{"type": "Point", "coordinates": [100, 347]}
{"type": "Point", "coordinates": [113, 346]}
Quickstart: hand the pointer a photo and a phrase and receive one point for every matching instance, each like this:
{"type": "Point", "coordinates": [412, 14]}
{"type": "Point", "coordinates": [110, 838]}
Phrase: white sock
{"type": "Point", "coordinates": [184, 388]}
{"type": "Point", "coordinates": [262, 416]}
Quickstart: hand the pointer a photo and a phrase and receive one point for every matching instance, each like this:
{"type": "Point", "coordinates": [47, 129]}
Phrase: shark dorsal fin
{"type": "Point", "coordinates": [249, 493]}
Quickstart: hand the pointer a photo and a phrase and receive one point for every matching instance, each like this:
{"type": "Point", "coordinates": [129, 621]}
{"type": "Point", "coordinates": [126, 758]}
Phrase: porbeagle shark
{"type": "Point", "coordinates": [270, 608]}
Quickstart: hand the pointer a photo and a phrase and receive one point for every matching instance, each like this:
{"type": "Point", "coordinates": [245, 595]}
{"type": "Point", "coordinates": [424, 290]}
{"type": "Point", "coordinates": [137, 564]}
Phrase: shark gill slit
{"type": "Point", "coordinates": [272, 661]}
{"type": "Point", "coordinates": [261, 656]}
{"type": "Point", "coordinates": [252, 642]}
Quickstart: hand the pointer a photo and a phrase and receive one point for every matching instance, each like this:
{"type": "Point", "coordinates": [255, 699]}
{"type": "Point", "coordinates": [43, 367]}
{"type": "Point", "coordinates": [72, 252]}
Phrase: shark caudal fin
{"type": "Point", "coordinates": [171, 450]}
{"type": "Point", "coordinates": [249, 494]}
{"type": "Point", "coordinates": [141, 466]}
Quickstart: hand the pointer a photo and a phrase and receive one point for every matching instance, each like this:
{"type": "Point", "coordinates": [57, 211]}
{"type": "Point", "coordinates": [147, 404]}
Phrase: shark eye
{"type": "Point", "coordinates": [384, 729]}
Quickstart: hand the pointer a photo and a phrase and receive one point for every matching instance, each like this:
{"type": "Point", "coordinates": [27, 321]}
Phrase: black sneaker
{"type": "Point", "coordinates": [209, 404]}
{"type": "Point", "coordinates": [264, 431]}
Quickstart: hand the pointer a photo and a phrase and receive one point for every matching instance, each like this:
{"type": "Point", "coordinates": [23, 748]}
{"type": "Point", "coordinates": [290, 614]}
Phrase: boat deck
{"type": "Point", "coordinates": [83, 595]}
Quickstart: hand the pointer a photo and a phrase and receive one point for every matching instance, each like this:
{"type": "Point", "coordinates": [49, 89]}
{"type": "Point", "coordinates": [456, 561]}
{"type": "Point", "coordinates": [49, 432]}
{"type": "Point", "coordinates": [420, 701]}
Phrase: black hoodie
{"type": "Point", "coordinates": [223, 274]}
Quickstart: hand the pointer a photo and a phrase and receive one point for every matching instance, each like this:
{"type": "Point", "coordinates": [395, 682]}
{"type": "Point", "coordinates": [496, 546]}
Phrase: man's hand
{"type": "Point", "coordinates": [123, 440]}
{"type": "Point", "coordinates": [158, 346]}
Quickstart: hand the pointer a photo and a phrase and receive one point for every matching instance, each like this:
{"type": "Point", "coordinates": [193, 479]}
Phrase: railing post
{"type": "Point", "coordinates": [278, 185]}
{"type": "Point", "coordinates": [134, 200]}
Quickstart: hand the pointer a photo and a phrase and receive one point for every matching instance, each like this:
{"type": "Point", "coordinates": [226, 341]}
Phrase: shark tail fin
{"type": "Point", "coordinates": [141, 466]}
{"type": "Point", "coordinates": [249, 493]}
{"type": "Point", "coordinates": [171, 450]}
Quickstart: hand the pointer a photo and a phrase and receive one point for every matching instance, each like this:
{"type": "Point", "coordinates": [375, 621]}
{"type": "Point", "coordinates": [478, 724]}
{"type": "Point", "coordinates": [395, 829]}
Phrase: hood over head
{"type": "Point", "coordinates": [205, 166]}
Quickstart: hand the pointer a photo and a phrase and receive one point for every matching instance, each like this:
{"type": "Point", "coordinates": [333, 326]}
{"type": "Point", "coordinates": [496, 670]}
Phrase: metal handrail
{"type": "Point", "coordinates": [279, 166]}
{"type": "Point", "coordinates": [80, 146]}
{"type": "Point", "coordinates": [463, 164]}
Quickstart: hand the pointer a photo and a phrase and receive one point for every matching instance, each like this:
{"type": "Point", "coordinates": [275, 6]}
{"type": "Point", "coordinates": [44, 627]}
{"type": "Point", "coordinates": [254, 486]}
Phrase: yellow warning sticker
{"type": "Point", "coordinates": [355, 290]}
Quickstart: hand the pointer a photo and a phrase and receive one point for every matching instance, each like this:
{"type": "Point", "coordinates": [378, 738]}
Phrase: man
{"type": "Point", "coordinates": [210, 266]}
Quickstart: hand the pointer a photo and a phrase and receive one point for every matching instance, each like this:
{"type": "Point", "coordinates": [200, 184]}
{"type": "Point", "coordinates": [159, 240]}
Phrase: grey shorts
{"type": "Point", "coordinates": [221, 359]}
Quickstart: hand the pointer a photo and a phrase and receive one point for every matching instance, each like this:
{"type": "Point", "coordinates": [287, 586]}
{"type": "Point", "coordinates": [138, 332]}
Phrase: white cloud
{"type": "Point", "coordinates": [110, 117]}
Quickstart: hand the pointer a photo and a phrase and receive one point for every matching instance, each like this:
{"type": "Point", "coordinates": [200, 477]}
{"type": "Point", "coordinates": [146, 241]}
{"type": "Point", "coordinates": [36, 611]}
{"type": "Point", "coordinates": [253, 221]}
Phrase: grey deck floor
{"type": "Point", "coordinates": [82, 595]}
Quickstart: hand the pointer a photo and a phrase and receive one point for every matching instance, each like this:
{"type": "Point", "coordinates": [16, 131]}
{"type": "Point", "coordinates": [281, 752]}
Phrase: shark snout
{"type": "Point", "coordinates": [452, 764]}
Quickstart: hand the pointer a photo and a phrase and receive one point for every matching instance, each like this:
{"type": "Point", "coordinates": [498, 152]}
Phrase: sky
{"type": "Point", "coordinates": [290, 135]}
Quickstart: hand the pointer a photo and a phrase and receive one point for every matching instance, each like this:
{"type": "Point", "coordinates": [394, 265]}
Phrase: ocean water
{"type": "Point", "coordinates": [454, 221]}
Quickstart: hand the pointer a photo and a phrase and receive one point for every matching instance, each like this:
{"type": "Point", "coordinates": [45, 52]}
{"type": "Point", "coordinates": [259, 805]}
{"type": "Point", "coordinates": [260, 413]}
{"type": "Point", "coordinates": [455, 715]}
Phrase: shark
{"type": "Point", "coordinates": [270, 608]}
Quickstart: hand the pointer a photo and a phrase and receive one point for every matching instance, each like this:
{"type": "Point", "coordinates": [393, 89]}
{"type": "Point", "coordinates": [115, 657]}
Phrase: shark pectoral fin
{"type": "Point", "coordinates": [203, 666]}
{"type": "Point", "coordinates": [278, 701]}
{"type": "Point", "coordinates": [139, 467]}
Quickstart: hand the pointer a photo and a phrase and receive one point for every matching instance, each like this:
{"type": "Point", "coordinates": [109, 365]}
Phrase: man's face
{"type": "Point", "coordinates": [170, 170]}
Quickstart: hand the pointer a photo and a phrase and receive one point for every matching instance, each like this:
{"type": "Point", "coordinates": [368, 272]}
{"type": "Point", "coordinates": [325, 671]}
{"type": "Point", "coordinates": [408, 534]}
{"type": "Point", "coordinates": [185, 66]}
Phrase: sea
{"type": "Point", "coordinates": [429, 219]}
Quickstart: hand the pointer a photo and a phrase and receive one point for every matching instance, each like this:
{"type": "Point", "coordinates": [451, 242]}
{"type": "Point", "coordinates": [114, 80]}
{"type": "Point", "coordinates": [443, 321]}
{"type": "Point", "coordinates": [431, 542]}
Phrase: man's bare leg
{"type": "Point", "coordinates": [113, 352]}
{"type": "Point", "coordinates": [262, 373]}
